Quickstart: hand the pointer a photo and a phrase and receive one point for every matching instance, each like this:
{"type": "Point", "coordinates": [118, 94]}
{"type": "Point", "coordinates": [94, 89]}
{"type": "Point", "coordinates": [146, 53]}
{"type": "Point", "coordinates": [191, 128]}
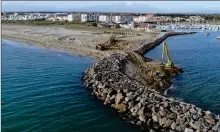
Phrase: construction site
{"type": "Point", "coordinates": [145, 70]}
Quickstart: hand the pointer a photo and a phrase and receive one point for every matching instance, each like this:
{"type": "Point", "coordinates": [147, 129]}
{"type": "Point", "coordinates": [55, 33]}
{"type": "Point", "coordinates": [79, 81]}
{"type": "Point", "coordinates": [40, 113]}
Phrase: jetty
{"type": "Point", "coordinates": [124, 81]}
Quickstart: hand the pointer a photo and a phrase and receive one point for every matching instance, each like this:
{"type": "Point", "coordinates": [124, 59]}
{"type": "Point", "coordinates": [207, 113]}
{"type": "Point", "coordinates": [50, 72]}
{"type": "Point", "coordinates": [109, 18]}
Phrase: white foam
{"type": "Point", "coordinates": [171, 87]}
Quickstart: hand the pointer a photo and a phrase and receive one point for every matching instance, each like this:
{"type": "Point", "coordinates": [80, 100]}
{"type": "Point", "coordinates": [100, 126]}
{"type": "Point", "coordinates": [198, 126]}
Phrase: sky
{"type": "Point", "coordinates": [127, 6]}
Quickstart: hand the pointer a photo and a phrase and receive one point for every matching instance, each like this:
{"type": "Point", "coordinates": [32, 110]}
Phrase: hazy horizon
{"type": "Point", "coordinates": [115, 6]}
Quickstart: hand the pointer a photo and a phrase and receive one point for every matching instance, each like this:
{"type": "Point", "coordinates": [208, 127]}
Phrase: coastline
{"type": "Point", "coordinates": [74, 41]}
{"type": "Point", "coordinates": [132, 99]}
{"type": "Point", "coordinates": [81, 47]}
{"type": "Point", "coordinates": [110, 81]}
{"type": "Point", "coordinates": [38, 44]}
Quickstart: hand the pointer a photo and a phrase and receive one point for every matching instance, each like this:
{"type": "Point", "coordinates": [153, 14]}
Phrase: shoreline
{"type": "Point", "coordinates": [74, 41]}
{"type": "Point", "coordinates": [39, 45]}
{"type": "Point", "coordinates": [111, 81]}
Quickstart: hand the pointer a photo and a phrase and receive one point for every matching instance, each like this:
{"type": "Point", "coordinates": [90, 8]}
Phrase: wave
{"type": "Point", "coordinates": [171, 87]}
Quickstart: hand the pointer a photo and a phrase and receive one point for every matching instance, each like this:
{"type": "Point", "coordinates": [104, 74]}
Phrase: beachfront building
{"type": "Point", "coordinates": [144, 18]}
{"type": "Point", "coordinates": [112, 18]}
{"type": "Point", "coordinates": [123, 19]}
{"type": "Point", "coordinates": [103, 18]}
{"type": "Point", "coordinates": [90, 17]}
{"type": "Point", "coordinates": [50, 17]}
{"type": "Point", "coordinates": [107, 18]}
{"type": "Point", "coordinates": [60, 17]}
{"type": "Point", "coordinates": [74, 17]}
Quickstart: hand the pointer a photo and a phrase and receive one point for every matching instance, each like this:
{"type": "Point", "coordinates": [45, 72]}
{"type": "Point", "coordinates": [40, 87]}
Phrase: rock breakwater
{"type": "Point", "coordinates": [110, 81]}
{"type": "Point", "coordinates": [148, 46]}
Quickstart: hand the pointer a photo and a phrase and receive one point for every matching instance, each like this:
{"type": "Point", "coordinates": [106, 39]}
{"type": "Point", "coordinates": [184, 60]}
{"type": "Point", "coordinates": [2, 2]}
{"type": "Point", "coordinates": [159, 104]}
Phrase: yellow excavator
{"type": "Point", "coordinates": [169, 64]}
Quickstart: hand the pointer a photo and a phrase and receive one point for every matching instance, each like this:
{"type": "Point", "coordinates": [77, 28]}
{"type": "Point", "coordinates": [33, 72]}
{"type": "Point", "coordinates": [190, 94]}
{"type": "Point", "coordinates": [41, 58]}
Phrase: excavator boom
{"type": "Point", "coordinates": [165, 51]}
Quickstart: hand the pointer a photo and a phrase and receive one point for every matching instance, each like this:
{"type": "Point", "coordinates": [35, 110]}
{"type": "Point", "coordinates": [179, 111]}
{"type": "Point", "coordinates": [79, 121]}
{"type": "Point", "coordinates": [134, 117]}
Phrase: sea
{"type": "Point", "coordinates": [42, 89]}
{"type": "Point", "coordinates": [199, 56]}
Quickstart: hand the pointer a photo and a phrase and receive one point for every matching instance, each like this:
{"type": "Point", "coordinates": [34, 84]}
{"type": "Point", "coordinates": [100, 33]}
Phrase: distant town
{"type": "Point", "coordinates": [124, 20]}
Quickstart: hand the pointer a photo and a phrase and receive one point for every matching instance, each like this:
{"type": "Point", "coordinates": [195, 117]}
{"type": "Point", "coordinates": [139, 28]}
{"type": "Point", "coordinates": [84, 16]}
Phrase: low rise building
{"type": "Point", "coordinates": [60, 17]}
{"type": "Point", "coordinates": [111, 18]}
{"type": "Point", "coordinates": [103, 18]}
{"type": "Point", "coordinates": [144, 18]}
{"type": "Point", "coordinates": [74, 17]}
{"type": "Point", "coordinates": [123, 19]}
{"type": "Point", "coordinates": [90, 17]}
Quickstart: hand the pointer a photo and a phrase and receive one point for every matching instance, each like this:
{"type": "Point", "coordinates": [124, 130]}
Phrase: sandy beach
{"type": "Point", "coordinates": [74, 41]}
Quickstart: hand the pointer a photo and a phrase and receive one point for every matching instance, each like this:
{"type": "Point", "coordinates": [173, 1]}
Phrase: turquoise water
{"type": "Point", "coordinates": [42, 91]}
{"type": "Point", "coordinates": [199, 56]}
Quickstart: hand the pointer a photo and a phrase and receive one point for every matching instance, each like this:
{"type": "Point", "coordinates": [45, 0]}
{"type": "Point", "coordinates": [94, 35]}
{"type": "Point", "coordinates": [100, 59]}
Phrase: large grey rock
{"type": "Point", "coordinates": [141, 111]}
{"type": "Point", "coordinates": [178, 128]}
{"type": "Point", "coordinates": [196, 125]}
{"type": "Point", "coordinates": [142, 118]}
{"type": "Point", "coordinates": [166, 122]}
{"type": "Point", "coordinates": [119, 98]}
{"type": "Point", "coordinates": [209, 119]}
{"type": "Point", "coordinates": [163, 112]}
{"type": "Point", "coordinates": [126, 99]}
{"type": "Point", "coordinates": [112, 99]}
{"type": "Point", "coordinates": [171, 115]}
{"type": "Point", "coordinates": [130, 104]}
{"type": "Point", "coordinates": [135, 109]}
{"type": "Point", "coordinates": [216, 127]}
{"type": "Point", "coordinates": [195, 117]}
{"type": "Point", "coordinates": [180, 120]}
{"type": "Point", "coordinates": [155, 118]}
{"type": "Point", "coordinates": [193, 111]}
{"type": "Point", "coordinates": [173, 126]}
{"type": "Point", "coordinates": [188, 130]}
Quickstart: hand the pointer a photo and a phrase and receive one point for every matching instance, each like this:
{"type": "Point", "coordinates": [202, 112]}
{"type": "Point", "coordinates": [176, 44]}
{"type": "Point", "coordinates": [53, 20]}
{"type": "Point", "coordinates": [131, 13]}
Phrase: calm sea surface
{"type": "Point", "coordinates": [199, 56]}
{"type": "Point", "coordinates": [42, 91]}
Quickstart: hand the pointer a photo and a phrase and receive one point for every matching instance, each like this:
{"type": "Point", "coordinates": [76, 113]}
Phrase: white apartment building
{"type": "Point", "coordinates": [123, 19]}
{"type": "Point", "coordinates": [106, 18]}
{"type": "Point", "coordinates": [89, 17]}
{"type": "Point", "coordinates": [74, 17]}
{"type": "Point", "coordinates": [144, 18]}
{"type": "Point", "coordinates": [103, 18]}
{"type": "Point", "coordinates": [61, 18]}
{"type": "Point", "coordinates": [115, 18]}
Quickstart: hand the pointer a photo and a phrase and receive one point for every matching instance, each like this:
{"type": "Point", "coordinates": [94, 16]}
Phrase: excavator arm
{"type": "Point", "coordinates": [165, 50]}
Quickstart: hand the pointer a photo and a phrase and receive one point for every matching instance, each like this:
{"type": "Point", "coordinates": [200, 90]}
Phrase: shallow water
{"type": "Point", "coordinates": [199, 56]}
{"type": "Point", "coordinates": [42, 91]}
